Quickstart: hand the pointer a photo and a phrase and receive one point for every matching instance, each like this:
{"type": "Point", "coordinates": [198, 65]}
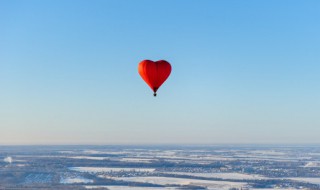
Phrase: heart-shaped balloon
{"type": "Point", "coordinates": [154, 73]}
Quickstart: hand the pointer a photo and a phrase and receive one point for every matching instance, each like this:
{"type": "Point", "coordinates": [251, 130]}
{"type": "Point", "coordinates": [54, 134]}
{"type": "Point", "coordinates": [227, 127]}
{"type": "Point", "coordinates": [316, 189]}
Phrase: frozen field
{"type": "Point", "coordinates": [308, 180]}
{"type": "Point", "coordinates": [99, 170]}
{"type": "Point", "coordinates": [72, 180]}
{"type": "Point", "coordinates": [129, 188]}
{"type": "Point", "coordinates": [240, 176]}
{"type": "Point", "coordinates": [160, 167]}
{"type": "Point", "coordinates": [210, 184]}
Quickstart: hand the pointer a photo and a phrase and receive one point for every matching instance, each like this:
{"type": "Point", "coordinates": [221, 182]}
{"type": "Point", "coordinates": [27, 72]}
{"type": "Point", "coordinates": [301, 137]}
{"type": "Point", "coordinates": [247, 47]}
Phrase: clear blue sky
{"type": "Point", "coordinates": [243, 71]}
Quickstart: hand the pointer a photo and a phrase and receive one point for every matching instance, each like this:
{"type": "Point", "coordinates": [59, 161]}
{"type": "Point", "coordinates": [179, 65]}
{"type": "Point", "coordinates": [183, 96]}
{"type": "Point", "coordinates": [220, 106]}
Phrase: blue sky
{"type": "Point", "coordinates": [243, 72]}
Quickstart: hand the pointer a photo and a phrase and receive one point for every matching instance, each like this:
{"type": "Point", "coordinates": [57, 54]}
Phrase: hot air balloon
{"type": "Point", "coordinates": [154, 73]}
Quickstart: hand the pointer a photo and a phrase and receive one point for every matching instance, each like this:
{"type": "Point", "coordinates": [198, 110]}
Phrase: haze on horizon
{"type": "Point", "coordinates": [242, 72]}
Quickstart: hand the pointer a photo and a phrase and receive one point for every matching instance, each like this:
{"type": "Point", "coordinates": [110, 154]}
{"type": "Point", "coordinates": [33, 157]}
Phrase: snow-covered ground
{"type": "Point", "coordinates": [128, 187]}
{"type": "Point", "coordinates": [314, 153]}
{"type": "Point", "coordinates": [240, 176]}
{"type": "Point", "coordinates": [312, 164]}
{"type": "Point", "coordinates": [138, 160]}
{"type": "Point", "coordinates": [104, 152]}
{"type": "Point", "coordinates": [66, 152]}
{"type": "Point", "coordinates": [268, 152]}
{"type": "Point", "coordinates": [71, 180]}
{"type": "Point", "coordinates": [210, 184]}
{"type": "Point", "coordinates": [88, 157]}
{"type": "Point", "coordinates": [274, 189]}
{"type": "Point", "coordinates": [191, 157]}
{"type": "Point", "coordinates": [306, 179]}
{"type": "Point", "coordinates": [105, 169]}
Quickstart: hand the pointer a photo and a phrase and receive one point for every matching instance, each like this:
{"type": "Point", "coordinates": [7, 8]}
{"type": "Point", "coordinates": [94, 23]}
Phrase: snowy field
{"type": "Point", "coordinates": [88, 157]}
{"type": "Point", "coordinates": [129, 187]}
{"type": "Point", "coordinates": [105, 169]}
{"type": "Point", "coordinates": [210, 184]}
{"type": "Point", "coordinates": [308, 180]}
{"type": "Point", "coordinates": [155, 168]}
{"type": "Point", "coordinates": [240, 176]}
{"type": "Point", "coordinates": [138, 160]}
{"type": "Point", "coordinates": [312, 165]}
{"type": "Point", "coordinates": [72, 180]}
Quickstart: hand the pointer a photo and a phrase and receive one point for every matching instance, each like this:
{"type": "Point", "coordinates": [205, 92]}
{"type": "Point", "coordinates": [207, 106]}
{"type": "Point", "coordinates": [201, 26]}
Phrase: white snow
{"type": "Point", "coordinates": [71, 180]}
{"type": "Point", "coordinates": [273, 189]}
{"type": "Point", "coordinates": [210, 184]}
{"type": "Point", "coordinates": [240, 176]}
{"type": "Point", "coordinates": [312, 164]}
{"type": "Point", "coordinates": [66, 152]}
{"type": "Point", "coordinates": [105, 169]}
{"type": "Point", "coordinates": [314, 153]}
{"type": "Point", "coordinates": [308, 180]}
{"type": "Point", "coordinates": [8, 159]}
{"type": "Point", "coordinates": [104, 152]}
{"type": "Point", "coordinates": [88, 157]}
{"type": "Point", "coordinates": [268, 152]}
{"type": "Point", "coordinates": [128, 187]}
{"type": "Point", "coordinates": [138, 160]}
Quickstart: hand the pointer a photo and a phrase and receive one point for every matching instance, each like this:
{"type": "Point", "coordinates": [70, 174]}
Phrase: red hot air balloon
{"type": "Point", "coordinates": [154, 73]}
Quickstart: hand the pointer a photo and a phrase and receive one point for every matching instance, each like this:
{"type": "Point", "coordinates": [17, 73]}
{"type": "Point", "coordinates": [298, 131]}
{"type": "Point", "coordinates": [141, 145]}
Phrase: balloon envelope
{"type": "Point", "coordinates": [154, 73]}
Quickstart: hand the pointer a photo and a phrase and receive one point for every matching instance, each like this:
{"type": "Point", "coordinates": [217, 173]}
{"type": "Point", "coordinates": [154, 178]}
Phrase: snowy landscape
{"type": "Point", "coordinates": [160, 167]}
